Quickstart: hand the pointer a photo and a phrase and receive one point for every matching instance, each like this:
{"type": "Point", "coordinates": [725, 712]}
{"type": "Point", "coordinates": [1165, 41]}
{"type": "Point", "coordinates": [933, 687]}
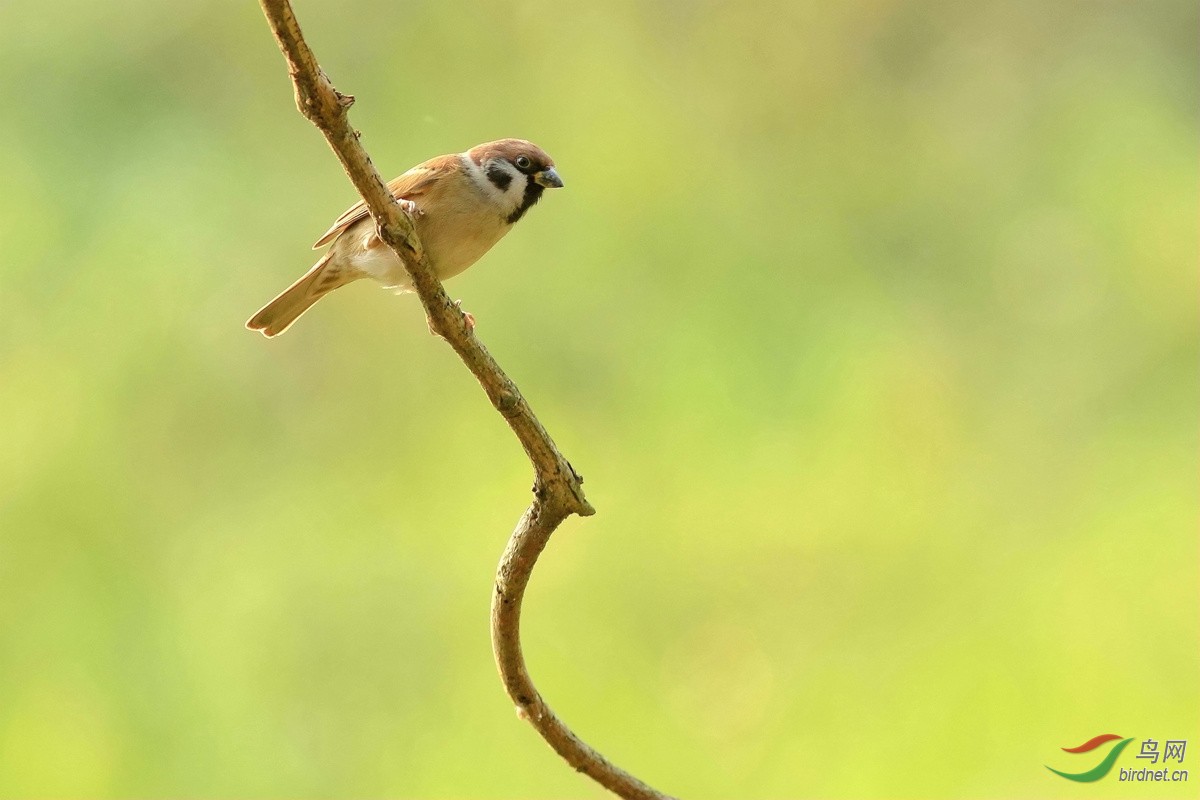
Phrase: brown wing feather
{"type": "Point", "coordinates": [415, 182]}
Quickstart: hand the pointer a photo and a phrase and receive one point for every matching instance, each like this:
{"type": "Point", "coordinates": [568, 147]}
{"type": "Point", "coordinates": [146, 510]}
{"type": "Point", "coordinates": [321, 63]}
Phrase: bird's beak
{"type": "Point", "coordinates": [548, 178]}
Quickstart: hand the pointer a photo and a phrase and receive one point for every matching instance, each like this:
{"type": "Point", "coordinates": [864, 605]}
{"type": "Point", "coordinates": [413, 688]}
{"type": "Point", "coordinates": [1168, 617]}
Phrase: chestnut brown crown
{"type": "Point", "coordinates": [525, 156]}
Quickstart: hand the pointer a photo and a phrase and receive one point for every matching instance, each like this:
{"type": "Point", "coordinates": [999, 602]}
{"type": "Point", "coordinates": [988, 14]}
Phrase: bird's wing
{"type": "Point", "coordinates": [417, 181]}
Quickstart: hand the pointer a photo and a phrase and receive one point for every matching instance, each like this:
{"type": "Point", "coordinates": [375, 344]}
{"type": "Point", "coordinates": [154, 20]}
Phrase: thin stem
{"type": "Point", "coordinates": [526, 544]}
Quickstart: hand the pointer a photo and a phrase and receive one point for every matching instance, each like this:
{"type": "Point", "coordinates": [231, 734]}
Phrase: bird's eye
{"type": "Point", "coordinates": [523, 162]}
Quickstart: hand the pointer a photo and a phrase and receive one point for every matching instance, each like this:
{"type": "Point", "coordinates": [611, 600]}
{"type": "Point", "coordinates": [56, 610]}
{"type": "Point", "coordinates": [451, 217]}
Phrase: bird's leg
{"type": "Point", "coordinates": [468, 317]}
{"type": "Point", "coordinates": [410, 208]}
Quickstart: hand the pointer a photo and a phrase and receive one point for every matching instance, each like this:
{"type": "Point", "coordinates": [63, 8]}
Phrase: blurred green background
{"type": "Point", "coordinates": [872, 326]}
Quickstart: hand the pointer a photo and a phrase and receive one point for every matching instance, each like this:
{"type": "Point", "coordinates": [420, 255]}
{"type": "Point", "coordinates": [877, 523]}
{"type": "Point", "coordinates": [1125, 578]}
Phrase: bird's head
{"type": "Point", "coordinates": [517, 172]}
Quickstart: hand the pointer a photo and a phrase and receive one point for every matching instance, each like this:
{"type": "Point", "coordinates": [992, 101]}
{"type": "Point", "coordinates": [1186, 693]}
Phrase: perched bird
{"type": "Point", "coordinates": [462, 204]}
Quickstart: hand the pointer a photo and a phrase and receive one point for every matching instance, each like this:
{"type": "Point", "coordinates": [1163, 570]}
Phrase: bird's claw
{"type": "Point", "coordinates": [468, 317]}
{"type": "Point", "coordinates": [410, 208]}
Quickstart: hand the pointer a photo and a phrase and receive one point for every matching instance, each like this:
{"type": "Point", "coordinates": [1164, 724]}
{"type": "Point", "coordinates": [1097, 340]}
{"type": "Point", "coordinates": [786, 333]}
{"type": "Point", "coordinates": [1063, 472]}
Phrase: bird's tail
{"type": "Point", "coordinates": [277, 316]}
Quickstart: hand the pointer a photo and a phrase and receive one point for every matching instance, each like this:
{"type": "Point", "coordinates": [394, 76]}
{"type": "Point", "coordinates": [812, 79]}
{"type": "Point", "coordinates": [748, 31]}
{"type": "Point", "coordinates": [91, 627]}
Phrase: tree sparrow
{"type": "Point", "coordinates": [461, 204]}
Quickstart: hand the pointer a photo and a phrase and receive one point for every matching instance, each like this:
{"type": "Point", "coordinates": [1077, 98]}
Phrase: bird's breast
{"type": "Point", "coordinates": [457, 235]}
{"type": "Point", "coordinates": [454, 234]}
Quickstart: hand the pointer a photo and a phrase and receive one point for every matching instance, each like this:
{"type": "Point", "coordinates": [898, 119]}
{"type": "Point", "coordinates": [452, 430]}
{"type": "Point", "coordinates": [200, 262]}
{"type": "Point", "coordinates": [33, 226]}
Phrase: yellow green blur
{"type": "Point", "coordinates": [871, 325]}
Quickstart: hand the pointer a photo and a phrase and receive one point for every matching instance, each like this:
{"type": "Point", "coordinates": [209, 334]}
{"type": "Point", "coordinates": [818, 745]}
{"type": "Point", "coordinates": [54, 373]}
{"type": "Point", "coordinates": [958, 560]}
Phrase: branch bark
{"type": "Point", "coordinates": [557, 488]}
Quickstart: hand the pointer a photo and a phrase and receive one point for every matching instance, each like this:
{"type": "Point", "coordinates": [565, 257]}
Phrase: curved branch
{"type": "Point", "coordinates": [525, 545]}
{"type": "Point", "coordinates": [557, 488]}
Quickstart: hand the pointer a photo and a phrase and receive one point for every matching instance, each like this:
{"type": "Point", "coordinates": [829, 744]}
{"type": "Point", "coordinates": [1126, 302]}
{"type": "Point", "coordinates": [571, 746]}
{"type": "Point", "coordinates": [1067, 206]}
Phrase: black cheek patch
{"type": "Point", "coordinates": [500, 178]}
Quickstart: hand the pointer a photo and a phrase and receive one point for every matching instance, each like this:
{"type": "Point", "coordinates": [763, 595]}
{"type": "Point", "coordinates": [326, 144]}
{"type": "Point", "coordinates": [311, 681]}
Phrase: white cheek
{"type": "Point", "coordinates": [514, 193]}
{"type": "Point", "coordinates": [516, 189]}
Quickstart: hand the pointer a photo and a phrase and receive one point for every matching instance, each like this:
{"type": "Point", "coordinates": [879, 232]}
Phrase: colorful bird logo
{"type": "Point", "coordinates": [1100, 770]}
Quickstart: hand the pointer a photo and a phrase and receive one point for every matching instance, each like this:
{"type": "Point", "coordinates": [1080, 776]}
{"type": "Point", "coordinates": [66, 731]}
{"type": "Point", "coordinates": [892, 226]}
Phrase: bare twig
{"type": "Point", "coordinates": [526, 544]}
{"type": "Point", "coordinates": [557, 489]}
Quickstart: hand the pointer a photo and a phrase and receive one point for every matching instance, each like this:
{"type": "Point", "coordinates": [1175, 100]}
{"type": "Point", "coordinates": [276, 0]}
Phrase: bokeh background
{"type": "Point", "coordinates": [872, 326]}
